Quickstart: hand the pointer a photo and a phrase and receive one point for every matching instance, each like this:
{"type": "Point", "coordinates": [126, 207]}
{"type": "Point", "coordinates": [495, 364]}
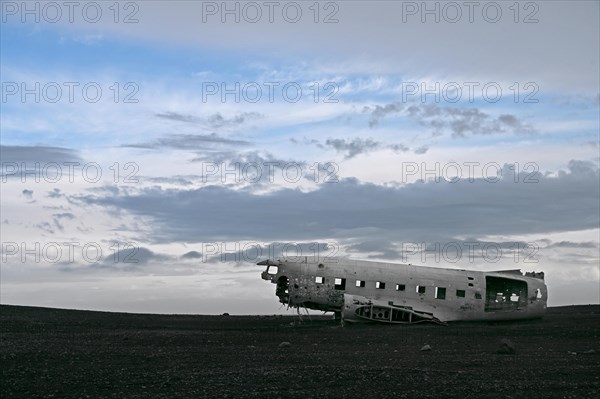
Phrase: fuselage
{"type": "Point", "coordinates": [347, 286]}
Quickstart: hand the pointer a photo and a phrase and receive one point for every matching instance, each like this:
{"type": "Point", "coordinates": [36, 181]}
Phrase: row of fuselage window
{"type": "Point", "coordinates": [440, 292]}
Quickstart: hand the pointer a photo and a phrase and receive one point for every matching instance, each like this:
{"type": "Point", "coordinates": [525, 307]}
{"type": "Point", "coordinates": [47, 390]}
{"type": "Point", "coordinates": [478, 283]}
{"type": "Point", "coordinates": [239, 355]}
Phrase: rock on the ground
{"type": "Point", "coordinates": [506, 347]}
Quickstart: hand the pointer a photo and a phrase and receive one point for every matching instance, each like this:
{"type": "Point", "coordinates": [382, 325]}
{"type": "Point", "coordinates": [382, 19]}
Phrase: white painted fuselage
{"type": "Point", "coordinates": [401, 293]}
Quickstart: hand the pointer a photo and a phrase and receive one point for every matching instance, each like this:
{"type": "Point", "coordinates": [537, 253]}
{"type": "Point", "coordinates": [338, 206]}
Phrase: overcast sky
{"type": "Point", "coordinates": [153, 152]}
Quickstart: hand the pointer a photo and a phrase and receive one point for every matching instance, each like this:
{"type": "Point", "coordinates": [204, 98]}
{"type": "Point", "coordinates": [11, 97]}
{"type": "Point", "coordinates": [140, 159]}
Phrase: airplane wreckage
{"type": "Point", "coordinates": [365, 291]}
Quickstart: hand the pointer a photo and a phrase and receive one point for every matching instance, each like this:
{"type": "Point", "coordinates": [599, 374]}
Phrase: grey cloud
{"type": "Point", "coordinates": [64, 215]}
{"type": "Point", "coordinates": [578, 259]}
{"type": "Point", "coordinates": [435, 245]}
{"type": "Point", "coordinates": [215, 121]}
{"type": "Point", "coordinates": [516, 125]}
{"type": "Point", "coordinates": [177, 180]}
{"type": "Point", "coordinates": [41, 154]}
{"type": "Point", "coordinates": [509, 120]}
{"type": "Point", "coordinates": [245, 157]}
{"type": "Point", "coordinates": [386, 254]}
{"type": "Point", "coordinates": [353, 147]}
{"type": "Point", "coordinates": [421, 150]}
{"type": "Point", "coordinates": [27, 193]}
{"type": "Point", "coordinates": [452, 248]}
{"type": "Point", "coordinates": [16, 158]}
{"type": "Point", "coordinates": [465, 121]}
{"type": "Point", "coordinates": [130, 258]}
{"type": "Point", "coordinates": [398, 147]}
{"type": "Point", "coordinates": [379, 112]}
{"type": "Point", "coordinates": [465, 249]}
{"type": "Point", "coordinates": [571, 244]}
{"type": "Point", "coordinates": [46, 227]}
{"type": "Point", "coordinates": [174, 116]}
{"type": "Point", "coordinates": [306, 141]}
{"type": "Point", "coordinates": [380, 249]}
{"type": "Point", "coordinates": [259, 167]}
{"type": "Point", "coordinates": [192, 255]}
{"type": "Point", "coordinates": [581, 169]}
{"type": "Point", "coordinates": [367, 246]}
{"type": "Point", "coordinates": [252, 252]}
{"type": "Point", "coordinates": [475, 243]}
{"type": "Point", "coordinates": [55, 193]}
{"type": "Point", "coordinates": [563, 32]}
{"type": "Point", "coordinates": [134, 255]}
{"type": "Point", "coordinates": [58, 217]}
{"type": "Point", "coordinates": [411, 212]}
{"type": "Point", "coordinates": [189, 142]}
{"type": "Point", "coordinates": [459, 121]}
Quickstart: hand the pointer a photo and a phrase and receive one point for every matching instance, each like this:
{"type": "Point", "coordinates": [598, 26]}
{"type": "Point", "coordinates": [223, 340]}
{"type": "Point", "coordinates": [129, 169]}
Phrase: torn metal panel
{"type": "Point", "coordinates": [361, 309]}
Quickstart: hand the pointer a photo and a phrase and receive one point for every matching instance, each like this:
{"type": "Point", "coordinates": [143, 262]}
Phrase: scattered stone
{"type": "Point", "coordinates": [571, 353]}
{"type": "Point", "coordinates": [285, 344]}
{"type": "Point", "coordinates": [589, 352]}
{"type": "Point", "coordinates": [506, 347]}
{"type": "Point", "coordinates": [225, 314]}
{"type": "Point", "coordinates": [533, 372]}
{"type": "Point", "coordinates": [426, 348]}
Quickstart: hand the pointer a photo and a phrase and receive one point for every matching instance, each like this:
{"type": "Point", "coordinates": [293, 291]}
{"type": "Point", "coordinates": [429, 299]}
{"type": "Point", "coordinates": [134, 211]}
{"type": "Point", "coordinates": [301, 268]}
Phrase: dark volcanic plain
{"type": "Point", "coordinates": [80, 354]}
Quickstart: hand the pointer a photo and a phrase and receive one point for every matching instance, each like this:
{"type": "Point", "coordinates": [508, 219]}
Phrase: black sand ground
{"type": "Point", "coordinates": [79, 354]}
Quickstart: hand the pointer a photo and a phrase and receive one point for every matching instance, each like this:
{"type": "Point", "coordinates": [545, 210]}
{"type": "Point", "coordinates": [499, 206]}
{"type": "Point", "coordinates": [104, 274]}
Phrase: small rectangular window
{"type": "Point", "coordinates": [477, 295]}
{"type": "Point", "coordinates": [400, 287]}
{"type": "Point", "coordinates": [470, 278]}
{"type": "Point", "coordinates": [420, 289]}
{"type": "Point", "coordinates": [360, 283]}
{"type": "Point", "coordinates": [380, 285]}
{"type": "Point", "coordinates": [319, 280]}
{"type": "Point", "coordinates": [460, 293]}
{"type": "Point", "coordinates": [440, 293]}
{"type": "Point", "coordinates": [340, 283]}
{"type": "Point", "coordinates": [470, 284]}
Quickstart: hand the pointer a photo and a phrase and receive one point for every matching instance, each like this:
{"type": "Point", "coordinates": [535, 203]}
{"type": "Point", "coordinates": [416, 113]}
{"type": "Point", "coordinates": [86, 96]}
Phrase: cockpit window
{"type": "Point", "coordinates": [272, 270]}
